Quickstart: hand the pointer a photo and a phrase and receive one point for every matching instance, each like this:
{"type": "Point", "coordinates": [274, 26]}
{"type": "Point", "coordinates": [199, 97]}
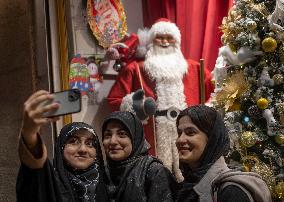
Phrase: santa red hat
{"type": "Point", "coordinates": [165, 26]}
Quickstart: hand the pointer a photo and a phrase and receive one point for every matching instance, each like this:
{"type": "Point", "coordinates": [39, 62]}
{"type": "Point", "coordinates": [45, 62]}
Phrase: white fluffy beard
{"type": "Point", "coordinates": [165, 63]}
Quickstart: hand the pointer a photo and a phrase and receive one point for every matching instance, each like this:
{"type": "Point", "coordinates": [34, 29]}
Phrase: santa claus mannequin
{"type": "Point", "coordinates": [167, 77]}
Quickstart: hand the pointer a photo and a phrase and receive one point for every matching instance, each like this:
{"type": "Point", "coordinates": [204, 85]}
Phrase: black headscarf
{"type": "Point", "coordinates": [209, 121]}
{"type": "Point", "coordinates": [134, 126]}
{"type": "Point", "coordinates": [119, 171]}
{"type": "Point", "coordinates": [85, 185]}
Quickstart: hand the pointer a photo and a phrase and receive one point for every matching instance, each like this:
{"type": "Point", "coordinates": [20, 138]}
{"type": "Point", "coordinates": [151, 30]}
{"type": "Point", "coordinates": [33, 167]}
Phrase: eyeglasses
{"type": "Point", "coordinates": [76, 142]}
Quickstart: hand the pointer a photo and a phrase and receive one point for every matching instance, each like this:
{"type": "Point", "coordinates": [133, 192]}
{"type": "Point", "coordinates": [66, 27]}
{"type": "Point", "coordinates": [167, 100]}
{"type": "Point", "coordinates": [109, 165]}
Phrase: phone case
{"type": "Point", "coordinates": [69, 100]}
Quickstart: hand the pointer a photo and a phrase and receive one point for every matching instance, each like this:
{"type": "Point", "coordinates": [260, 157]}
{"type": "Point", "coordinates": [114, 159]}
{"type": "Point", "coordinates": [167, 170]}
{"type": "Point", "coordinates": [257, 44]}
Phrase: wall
{"type": "Point", "coordinates": [23, 69]}
{"type": "Point", "coordinates": [16, 86]}
{"type": "Point", "coordinates": [134, 17]}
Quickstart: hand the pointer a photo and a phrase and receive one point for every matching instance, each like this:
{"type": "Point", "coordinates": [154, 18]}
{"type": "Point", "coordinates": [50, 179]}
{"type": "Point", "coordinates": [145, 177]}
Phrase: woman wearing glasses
{"type": "Point", "coordinates": [77, 171]}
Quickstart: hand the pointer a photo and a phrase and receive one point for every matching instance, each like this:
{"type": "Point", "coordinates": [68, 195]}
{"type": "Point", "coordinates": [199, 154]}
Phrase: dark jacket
{"type": "Point", "coordinates": [40, 181]}
{"type": "Point", "coordinates": [140, 177]}
{"type": "Point", "coordinates": [148, 181]}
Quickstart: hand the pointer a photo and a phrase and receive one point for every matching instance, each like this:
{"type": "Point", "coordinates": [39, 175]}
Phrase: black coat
{"type": "Point", "coordinates": [140, 177]}
{"type": "Point", "coordinates": [38, 184]}
{"type": "Point", "coordinates": [148, 181]}
{"type": "Point", "coordinates": [55, 183]}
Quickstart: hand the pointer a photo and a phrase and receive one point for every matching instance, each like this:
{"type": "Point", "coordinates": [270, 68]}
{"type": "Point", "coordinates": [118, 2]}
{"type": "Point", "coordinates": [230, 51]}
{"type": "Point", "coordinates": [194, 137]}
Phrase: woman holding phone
{"type": "Point", "coordinates": [77, 172]}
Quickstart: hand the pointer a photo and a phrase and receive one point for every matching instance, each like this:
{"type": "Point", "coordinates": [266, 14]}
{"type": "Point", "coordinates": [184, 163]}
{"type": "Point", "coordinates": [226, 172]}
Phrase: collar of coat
{"type": "Point", "coordinates": [204, 187]}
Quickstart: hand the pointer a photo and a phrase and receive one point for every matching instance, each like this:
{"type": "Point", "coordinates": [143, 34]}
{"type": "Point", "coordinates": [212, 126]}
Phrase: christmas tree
{"type": "Point", "coordinates": [250, 88]}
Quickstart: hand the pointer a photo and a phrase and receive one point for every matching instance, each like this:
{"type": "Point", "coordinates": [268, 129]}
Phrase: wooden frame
{"type": "Point", "coordinates": [63, 50]}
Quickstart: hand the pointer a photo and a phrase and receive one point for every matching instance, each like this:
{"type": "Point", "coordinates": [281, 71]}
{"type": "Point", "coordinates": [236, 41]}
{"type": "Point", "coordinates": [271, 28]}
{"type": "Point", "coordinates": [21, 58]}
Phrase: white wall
{"type": "Point", "coordinates": [134, 17]}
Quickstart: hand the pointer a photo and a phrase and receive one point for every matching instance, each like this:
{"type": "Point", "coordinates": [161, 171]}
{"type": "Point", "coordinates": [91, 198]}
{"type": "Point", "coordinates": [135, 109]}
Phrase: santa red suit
{"type": "Point", "coordinates": [174, 84]}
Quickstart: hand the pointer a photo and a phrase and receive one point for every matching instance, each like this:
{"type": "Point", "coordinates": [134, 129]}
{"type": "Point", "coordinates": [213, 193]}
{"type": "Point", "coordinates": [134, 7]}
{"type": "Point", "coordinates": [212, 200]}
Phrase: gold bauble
{"type": "Point", "coordinates": [278, 79]}
{"type": "Point", "coordinates": [279, 190]}
{"type": "Point", "coordinates": [279, 139]}
{"type": "Point", "coordinates": [269, 44]}
{"type": "Point", "coordinates": [248, 139]}
{"type": "Point", "coordinates": [262, 103]}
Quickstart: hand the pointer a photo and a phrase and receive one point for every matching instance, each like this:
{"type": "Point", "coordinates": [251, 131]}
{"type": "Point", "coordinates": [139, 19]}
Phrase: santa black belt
{"type": "Point", "coordinates": [170, 113]}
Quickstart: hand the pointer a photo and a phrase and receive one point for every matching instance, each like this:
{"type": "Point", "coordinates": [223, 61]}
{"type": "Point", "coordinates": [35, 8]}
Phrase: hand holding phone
{"type": "Point", "coordinates": [33, 116]}
{"type": "Point", "coordinates": [42, 108]}
{"type": "Point", "coordinates": [69, 102]}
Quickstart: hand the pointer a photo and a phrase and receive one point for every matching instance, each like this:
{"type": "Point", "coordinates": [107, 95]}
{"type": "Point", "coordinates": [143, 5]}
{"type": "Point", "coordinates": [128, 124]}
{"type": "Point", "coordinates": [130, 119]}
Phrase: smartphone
{"type": "Point", "coordinates": [69, 100]}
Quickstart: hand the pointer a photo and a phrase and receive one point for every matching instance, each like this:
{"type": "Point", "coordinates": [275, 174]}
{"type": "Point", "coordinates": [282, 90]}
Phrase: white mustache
{"type": "Point", "coordinates": [164, 44]}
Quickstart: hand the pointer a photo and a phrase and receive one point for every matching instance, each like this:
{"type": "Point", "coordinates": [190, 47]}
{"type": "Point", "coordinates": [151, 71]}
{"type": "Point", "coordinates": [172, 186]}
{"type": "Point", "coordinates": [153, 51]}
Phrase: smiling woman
{"type": "Point", "coordinates": [77, 171]}
{"type": "Point", "coordinates": [191, 142]}
{"type": "Point", "coordinates": [80, 149]}
{"type": "Point", "coordinates": [116, 141]}
{"type": "Point", "coordinates": [78, 157]}
{"type": "Point", "coordinates": [202, 143]}
{"type": "Point", "coordinates": [133, 175]}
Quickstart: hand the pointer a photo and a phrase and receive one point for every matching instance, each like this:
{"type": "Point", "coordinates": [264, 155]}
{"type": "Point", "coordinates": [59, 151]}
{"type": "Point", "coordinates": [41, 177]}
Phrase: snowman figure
{"type": "Point", "coordinates": [95, 79]}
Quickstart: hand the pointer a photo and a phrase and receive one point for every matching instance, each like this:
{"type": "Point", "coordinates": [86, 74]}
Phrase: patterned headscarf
{"type": "Point", "coordinates": [84, 183]}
